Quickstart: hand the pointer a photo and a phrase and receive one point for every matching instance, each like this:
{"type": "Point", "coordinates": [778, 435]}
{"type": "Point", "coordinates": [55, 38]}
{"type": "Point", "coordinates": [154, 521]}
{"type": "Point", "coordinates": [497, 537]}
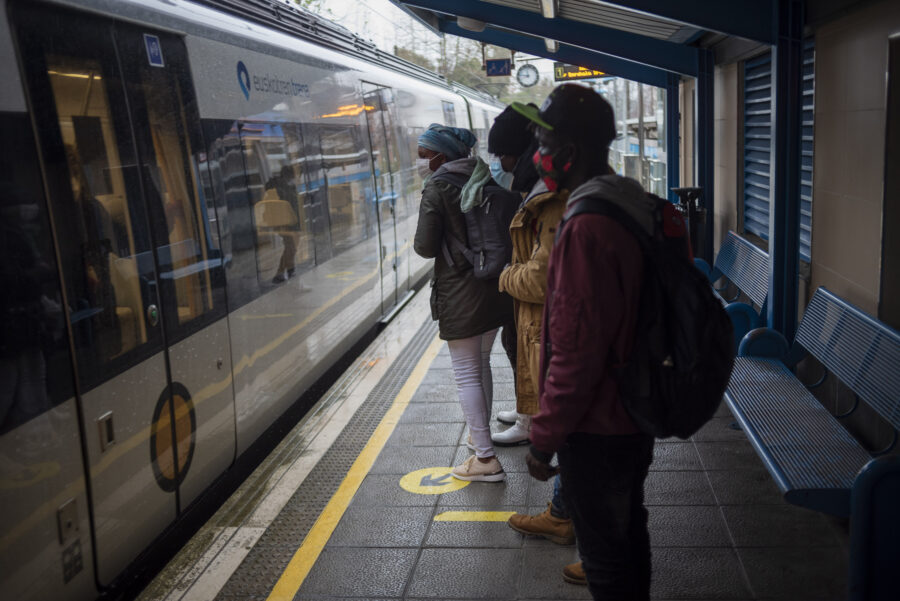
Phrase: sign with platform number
{"type": "Point", "coordinates": [154, 50]}
{"type": "Point", "coordinates": [498, 67]}
{"type": "Point", "coordinates": [564, 72]}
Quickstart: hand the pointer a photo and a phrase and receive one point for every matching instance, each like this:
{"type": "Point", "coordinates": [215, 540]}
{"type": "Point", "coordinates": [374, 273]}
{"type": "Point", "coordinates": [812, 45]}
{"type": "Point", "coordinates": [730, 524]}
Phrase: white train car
{"type": "Point", "coordinates": [200, 212]}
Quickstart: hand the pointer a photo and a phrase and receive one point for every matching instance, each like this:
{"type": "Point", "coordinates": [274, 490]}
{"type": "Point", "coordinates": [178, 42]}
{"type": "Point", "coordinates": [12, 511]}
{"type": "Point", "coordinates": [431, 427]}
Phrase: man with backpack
{"type": "Point", "coordinates": [594, 287]}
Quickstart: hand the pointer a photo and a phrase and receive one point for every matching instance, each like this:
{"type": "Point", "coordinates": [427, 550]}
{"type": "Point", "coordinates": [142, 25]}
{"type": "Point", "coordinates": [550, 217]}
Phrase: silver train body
{"type": "Point", "coordinates": [200, 215]}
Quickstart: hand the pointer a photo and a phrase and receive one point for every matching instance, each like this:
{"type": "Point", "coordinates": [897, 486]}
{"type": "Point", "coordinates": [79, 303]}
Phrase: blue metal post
{"type": "Point", "coordinates": [673, 149]}
{"type": "Point", "coordinates": [784, 222]}
{"type": "Point", "coordinates": [705, 143]}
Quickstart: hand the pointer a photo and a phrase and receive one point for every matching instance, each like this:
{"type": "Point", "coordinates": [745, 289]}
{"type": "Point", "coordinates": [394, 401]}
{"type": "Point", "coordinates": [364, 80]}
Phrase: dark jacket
{"type": "Point", "coordinates": [463, 305]}
{"type": "Point", "coordinates": [593, 290]}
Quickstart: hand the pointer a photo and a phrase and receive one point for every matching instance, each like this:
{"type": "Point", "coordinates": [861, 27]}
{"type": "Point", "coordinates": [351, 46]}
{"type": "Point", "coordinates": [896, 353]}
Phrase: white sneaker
{"type": "Point", "coordinates": [516, 435]}
{"type": "Point", "coordinates": [473, 470]}
{"type": "Point", "coordinates": [469, 444]}
{"type": "Point", "coordinates": [507, 417]}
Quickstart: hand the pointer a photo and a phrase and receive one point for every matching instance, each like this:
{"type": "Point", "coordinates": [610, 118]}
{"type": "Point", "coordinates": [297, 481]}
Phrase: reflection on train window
{"type": "Point", "coordinates": [184, 257]}
{"type": "Point", "coordinates": [105, 279]}
{"type": "Point", "coordinates": [275, 165]}
{"type": "Point", "coordinates": [449, 113]}
{"type": "Point", "coordinates": [348, 179]}
{"type": "Point", "coordinates": [35, 366]}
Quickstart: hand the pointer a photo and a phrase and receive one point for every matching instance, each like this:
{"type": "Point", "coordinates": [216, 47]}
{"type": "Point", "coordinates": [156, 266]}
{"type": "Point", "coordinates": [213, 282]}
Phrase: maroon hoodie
{"type": "Point", "coordinates": [593, 287]}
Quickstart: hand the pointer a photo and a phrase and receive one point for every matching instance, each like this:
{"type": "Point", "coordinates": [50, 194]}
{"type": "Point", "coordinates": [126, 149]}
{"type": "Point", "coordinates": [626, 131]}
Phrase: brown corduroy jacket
{"type": "Point", "coordinates": [532, 230]}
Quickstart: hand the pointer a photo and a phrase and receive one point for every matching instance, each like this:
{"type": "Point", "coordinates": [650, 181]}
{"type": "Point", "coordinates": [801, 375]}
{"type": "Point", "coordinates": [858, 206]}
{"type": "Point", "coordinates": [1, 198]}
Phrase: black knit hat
{"type": "Point", "coordinates": [574, 110]}
{"type": "Point", "coordinates": [510, 134]}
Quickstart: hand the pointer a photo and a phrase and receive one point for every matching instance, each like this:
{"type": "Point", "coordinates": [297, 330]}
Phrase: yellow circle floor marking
{"type": "Point", "coordinates": [431, 481]}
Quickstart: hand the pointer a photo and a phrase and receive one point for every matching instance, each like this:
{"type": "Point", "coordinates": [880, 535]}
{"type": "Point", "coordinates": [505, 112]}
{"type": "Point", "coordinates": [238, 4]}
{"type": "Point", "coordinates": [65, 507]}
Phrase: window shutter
{"type": "Point", "coordinates": [806, 147]}
{"type": "Point", "coordinates": [757, 144]}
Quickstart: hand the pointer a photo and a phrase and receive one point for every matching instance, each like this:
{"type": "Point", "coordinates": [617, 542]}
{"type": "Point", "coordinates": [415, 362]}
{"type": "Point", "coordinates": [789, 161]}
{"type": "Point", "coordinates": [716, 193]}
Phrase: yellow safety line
{"type": "Point", "coordinates": [305, 557]}
{"type": "Point", "coordinates": [473, 516]}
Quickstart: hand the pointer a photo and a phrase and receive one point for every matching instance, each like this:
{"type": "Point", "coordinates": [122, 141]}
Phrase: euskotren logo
{"type": "Point", "coordinates": [243, 79]}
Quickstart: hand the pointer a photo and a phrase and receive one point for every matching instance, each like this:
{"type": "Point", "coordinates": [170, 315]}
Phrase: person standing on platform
{"type": "Point", "coordinates": [525, 279]}
{"type": "Point", "coordinates": [469, 311]}
{"type": "Point", "coordinates": [593, 294]}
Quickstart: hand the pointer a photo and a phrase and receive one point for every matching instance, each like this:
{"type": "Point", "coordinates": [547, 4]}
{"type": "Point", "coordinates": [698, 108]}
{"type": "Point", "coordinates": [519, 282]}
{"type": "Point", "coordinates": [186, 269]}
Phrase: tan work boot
{"type": "Point", "coordinates": [574, 574]}
{"type": "Point", "coordinates": [554, 529]}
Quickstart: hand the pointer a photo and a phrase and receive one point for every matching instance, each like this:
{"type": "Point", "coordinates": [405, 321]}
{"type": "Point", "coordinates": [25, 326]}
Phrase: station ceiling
{"type": "Point", "coordinates": [643, 40]}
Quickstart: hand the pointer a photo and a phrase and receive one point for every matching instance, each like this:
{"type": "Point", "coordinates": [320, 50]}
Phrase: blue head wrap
{"type": "Point", "coordinates": [453, 142]}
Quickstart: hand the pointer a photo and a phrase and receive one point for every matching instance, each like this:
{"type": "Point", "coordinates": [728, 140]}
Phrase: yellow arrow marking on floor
{"type": "Point", "coordinates": [305, 557]}
{"type": "Point", "coordinates": [431, 481]}
{"type": "Point", "coordinates": [473, 516]}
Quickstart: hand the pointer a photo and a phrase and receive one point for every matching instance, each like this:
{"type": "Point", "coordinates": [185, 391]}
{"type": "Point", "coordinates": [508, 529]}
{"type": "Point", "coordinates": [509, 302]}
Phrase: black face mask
{"type": "Point", "coordinates": [524, 174]}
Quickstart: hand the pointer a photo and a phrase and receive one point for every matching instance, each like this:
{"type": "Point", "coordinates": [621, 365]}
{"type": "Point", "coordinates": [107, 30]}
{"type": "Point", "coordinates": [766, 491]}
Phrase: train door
{"type": "Point", "coordinates": [377, 102]}
{"type": "Point", "coordinates": [143, 284]}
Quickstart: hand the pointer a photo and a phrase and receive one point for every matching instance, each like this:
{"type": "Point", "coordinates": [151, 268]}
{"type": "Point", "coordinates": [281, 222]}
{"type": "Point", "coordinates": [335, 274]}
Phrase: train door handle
{"type": "Point", "coordinates": [153, 315]}
{"type": "Point", "coordinates": [106, 431]}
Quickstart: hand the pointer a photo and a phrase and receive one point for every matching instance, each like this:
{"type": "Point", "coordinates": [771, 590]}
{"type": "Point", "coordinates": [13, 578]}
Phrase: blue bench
{"type": "Point", "coordinates": [813, 459]}
{"type": "Point", "coordinates": [747, 267]}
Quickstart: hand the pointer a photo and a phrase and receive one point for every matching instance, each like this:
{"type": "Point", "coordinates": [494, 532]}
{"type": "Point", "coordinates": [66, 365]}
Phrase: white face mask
{"type": "Point", "coordinates": [424, 168]}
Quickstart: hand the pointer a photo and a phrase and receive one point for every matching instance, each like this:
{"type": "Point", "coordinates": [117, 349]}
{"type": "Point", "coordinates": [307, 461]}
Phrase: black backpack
{"type": "Point", "coordinates": [674, 379]}
{"type": "Point", "coordinates": [489, 247]}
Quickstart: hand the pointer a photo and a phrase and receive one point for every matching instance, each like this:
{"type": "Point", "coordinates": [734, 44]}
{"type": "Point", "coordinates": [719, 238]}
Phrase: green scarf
{"type": "Point", "coordinates": [470, 196]}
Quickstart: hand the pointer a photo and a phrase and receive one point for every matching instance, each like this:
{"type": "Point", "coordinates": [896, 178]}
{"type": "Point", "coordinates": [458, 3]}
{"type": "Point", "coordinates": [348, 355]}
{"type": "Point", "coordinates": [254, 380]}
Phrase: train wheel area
{"type": "Point", "coordinates": [357, 503]}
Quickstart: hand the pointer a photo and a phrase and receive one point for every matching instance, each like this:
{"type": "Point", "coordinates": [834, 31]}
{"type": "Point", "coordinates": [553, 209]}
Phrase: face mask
{"type": "Point", "coordinates": [423, 168]}
{"type": "Point", "coordinates": [503, 178]}
{"type": "Point", "coordinates": [549, 168]}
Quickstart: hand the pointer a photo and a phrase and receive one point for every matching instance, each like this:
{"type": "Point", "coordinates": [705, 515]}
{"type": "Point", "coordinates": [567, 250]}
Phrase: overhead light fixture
{"type": "Point", "coordinates": [552, 45]}
{"type": "Point", "coordinates": [549, 8]}
{"type": "Point", "coordinates": [470, 24]}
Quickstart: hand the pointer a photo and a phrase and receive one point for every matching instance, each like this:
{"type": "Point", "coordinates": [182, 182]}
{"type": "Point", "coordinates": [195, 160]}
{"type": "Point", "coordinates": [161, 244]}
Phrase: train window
{"type": "Point", "coordinates": [35, 367]}
{"type": "Point", "coordinates": [184, 245]}
{"type": "Point", "coordinates": [276, 166]}
{"type": "Point", "coordinates": [104, 269]}
{"type": "Point", "coordinates": [348, 179]}
{"type": "Point", "coordinates": [449, 113]}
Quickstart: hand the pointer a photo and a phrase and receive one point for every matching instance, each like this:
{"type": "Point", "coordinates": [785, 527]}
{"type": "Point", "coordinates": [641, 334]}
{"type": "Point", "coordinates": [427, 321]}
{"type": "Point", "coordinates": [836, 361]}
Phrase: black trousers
{"type": "Point", "coordinates": [509, 340]}
{"type": "Point", "coordinates": [603, 477]}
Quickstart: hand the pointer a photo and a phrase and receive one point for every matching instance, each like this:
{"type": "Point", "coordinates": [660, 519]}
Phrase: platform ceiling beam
{"type": "Point", "coordinates": [572, 55]}
{"type": "Point", "coordinates": [751, 19]}
{"type": "Point", "coordinates": [669, 56]}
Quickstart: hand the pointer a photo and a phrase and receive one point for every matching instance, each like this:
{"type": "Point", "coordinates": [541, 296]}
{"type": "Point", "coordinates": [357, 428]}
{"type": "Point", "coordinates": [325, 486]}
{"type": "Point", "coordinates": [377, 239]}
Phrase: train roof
{"type": "Point", "coordinates": [288, 17]}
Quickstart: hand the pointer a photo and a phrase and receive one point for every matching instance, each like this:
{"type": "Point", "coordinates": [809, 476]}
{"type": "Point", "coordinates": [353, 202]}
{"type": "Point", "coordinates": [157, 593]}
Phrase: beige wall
{"type": "Point", "coordinates": [848, 193]}
{"type": "Point", "coordinates": [726, 194]}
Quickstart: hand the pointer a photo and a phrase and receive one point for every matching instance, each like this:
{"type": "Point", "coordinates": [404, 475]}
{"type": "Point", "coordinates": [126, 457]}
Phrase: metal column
{"type": "Point", "coordinates": [705, 144]}
{"type": "Point", "coordinates": [784, 223]}
{"type": "Point", "coordinates": [673, 118]}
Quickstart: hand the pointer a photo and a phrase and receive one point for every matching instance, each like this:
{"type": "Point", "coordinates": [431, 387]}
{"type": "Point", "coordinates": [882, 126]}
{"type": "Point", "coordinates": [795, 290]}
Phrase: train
{"type": "Point", "coordinates": [204, 206]}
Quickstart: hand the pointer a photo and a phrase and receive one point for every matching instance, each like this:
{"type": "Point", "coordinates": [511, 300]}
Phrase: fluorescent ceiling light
{"type": "Point", "coordinates": [549, 8]}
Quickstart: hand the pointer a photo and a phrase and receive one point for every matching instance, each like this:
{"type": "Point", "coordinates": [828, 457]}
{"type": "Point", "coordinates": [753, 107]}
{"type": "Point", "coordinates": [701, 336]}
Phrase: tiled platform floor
{"type": "Point", "coordinates": [719, 528]}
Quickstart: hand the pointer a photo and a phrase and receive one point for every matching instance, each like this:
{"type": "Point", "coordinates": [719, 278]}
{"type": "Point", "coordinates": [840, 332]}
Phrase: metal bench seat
{"type": "Point", "coordinates": [810, 455]}
{"type": "Point", "coordinates": [747, 267]}
{"type": "Point", "coordinates": [814, 461]}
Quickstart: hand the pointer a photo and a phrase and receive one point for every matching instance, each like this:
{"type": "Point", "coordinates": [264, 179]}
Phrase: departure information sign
{"type": "Point", "coordinates": [564, 72]}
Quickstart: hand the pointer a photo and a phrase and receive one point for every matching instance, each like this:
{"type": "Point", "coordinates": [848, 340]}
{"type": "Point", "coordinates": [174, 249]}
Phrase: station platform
{"type": "Point", "coordinates": [357, 503]}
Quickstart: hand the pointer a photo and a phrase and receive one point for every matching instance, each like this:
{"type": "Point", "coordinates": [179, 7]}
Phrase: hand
{"type": "Point", "coordinates": [540, 470]}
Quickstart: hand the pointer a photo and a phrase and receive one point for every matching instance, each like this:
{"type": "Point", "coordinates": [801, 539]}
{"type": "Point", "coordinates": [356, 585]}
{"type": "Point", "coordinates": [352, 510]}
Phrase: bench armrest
{"type": "Point", "coordinates": [711, 273]}
{"type": "Point", "coordinates": [764, 342]}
